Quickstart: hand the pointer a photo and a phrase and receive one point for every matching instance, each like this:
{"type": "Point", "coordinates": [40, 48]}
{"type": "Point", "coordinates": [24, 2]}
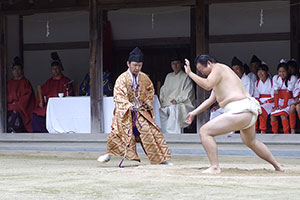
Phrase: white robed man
{"type": "Point", "coordinates": [254, 63]}
{"type": "Point", "coordinates": [241, 110]}
{"type": "Point", "coordinates": [176, 97]}
{"type": "Point", "coordinates": [238, 67]}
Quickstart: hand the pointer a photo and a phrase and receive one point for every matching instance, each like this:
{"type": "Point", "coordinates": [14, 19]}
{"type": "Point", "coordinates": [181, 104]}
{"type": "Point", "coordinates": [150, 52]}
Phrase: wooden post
{"type": "Point", "coordinates": [294, 28]}
{"type": "Point", "coordinates": [193, 33]}
{"type": "Point", "coordinates": [96, 68]}
{"type": "Point", "coordinates": [3, 61]}
{"type": "Point", "coordinates": [21, 38]}
{"type": "Point", "coordinates": [201, 38]}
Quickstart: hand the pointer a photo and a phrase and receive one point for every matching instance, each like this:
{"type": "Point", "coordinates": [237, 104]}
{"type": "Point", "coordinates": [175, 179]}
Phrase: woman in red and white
{"type": "Point", "coordinates": [295, 107]}
{"type": "Point", "coordinates": [283, 85]}
{"type": "Point", "coordinates": [263, 93]}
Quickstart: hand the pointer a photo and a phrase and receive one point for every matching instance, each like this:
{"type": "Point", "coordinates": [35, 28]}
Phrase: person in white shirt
{"type": "Point", "coordinates": [254, 63]}
{"type": "Point", "coordinates": [293, 67]}
{"type": "Point", "coordinates": [295, 107]}
{"type": "Point", "coordinates": [238, 68]}
{"type": "Point", "coordinates": [283, 85]}
{"type": "Point", "coordinates": [263, 93]}
{"type": "Point", "coordinates": [176, 97]}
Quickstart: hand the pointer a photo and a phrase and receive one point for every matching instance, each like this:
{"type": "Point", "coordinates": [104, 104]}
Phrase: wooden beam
{"type": "Point", "coordinates": [121, 4]}
{"type": "Point", "coordinates": [235, 1]}
{"type": "Point", "coordinates": [21, 38]}
{"type": "Point", "coordinates": [56, 46]}
{"type": "Point", "coordinates": [96, 68]}
{"type": "Point", "coordinates": [295, 28]}
{"type": "Point", "coordinates": [44, 6]}
{"type": "Point", "coordinates": [153, 42]}
{"type": "Point", "coordinates": [255, 37]}
{"type": "Point", "coordinates": [193, 33]}
{"type": "Point", "coordinates": [3, 62]}
{"type": "Point", "coordinates": [162, 42]}
{"type": "Point", "coordinates": [201, 34]}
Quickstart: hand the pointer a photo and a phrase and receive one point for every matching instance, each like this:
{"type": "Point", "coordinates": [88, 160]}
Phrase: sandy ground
{"type": "Point", "coordinates": [72, 175]}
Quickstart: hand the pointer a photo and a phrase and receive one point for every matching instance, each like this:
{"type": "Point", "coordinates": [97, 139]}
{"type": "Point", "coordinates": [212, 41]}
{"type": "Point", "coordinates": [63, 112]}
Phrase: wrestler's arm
{"type": "Point", "coordinates": [206, 83]}
{"type": "Point", "coordinates": [203, 106]}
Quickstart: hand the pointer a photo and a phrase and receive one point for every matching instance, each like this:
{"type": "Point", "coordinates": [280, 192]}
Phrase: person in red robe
{"type": "Point", "coordinates": [58, 83]}
{"type": "Point", "coordinates": [20, 100]}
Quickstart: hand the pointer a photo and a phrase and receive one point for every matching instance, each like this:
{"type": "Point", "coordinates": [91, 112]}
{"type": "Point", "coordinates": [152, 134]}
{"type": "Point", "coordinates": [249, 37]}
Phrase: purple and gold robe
{"type": "Point", "coordinates": [121, 138]}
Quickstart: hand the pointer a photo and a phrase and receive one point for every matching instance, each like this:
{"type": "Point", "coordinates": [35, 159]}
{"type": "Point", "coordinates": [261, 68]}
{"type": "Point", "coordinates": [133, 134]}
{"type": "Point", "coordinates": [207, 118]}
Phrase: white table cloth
{"type": "Point", "coordinates": [73, 114]}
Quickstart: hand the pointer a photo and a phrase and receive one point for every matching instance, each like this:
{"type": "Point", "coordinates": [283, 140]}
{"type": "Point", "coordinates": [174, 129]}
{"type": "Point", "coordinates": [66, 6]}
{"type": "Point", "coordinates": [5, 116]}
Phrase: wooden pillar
{"type": "Point", "coordinates": [294, 28]}
{"type": "Point", "coordinates": [3, 62]}
{"type": "Point", "coordinates": [201, 35]}
{"type": "Point", "coordinates": [21, 38]}
{"type": "Point", "coordinates": [96, 68]}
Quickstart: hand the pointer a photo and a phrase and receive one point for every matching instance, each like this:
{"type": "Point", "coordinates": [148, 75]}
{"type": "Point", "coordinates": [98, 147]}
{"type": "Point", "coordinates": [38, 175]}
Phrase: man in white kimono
{"type": "Point", "coordinates": [238, 67]}
{"type": "Point", "coordinates": [176, 97]}
{"type": "Point", "coordinates": [254, 63]}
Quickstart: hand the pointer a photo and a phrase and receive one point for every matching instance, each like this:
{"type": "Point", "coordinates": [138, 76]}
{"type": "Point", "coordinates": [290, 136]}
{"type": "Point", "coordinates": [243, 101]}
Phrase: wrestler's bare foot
{"type": "Point", "coordinates": [279, 168]}
{"type": "Point", "coordinates": [212, 170]}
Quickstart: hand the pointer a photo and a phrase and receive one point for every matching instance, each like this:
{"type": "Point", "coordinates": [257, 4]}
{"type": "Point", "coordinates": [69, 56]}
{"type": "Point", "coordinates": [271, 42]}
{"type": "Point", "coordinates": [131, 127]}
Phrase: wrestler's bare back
{"type": "Point", "coordinates": [229, 88]}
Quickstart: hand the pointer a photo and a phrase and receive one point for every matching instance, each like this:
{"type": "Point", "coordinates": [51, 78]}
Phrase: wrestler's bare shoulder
{"type": "Point", "coordinates": [221, 66]}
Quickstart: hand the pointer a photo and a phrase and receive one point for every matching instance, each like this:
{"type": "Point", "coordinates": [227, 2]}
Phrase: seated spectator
{"type": "Point", "coordinates": [254, 63]}
{"type": "Point", "coordinates": [176, 97]}
{"type": "Point", "coordinates": [293, 67]}
{"type": "Point", "coordinates": [20, 100]}
{"type": "Point", "coordinates": [107, 86]}
{"type": "Point", "coordinates": [58, 83]}
{"type": "Point", "coordinates": [283, 85]}
{"type": "Point", "coordinates": [238, 67]}
{"type": "Point", "coordinates": [263, 93]}
{"type": "Point", "coordinates": [295, 107]}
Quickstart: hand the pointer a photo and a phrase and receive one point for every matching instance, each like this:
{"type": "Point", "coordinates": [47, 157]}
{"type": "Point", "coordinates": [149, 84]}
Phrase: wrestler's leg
{"type": "Point", "coordinates": [248, 137]}
{"type": "Point", "coordinates": [220, 125]}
